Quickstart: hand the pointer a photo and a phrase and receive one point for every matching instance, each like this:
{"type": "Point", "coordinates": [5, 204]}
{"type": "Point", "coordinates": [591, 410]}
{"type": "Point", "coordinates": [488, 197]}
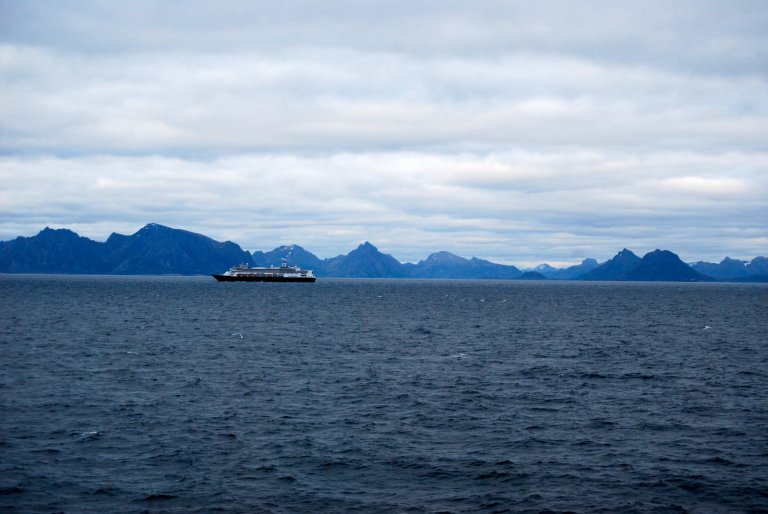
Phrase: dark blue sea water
{"type": "Point", "coordinates": [151, 394]}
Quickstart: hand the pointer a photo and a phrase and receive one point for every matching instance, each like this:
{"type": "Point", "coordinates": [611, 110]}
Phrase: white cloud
{"type": "Point", "coordinates": [706, 186]}
{"type": "Point", "coordinates": [408, 203]}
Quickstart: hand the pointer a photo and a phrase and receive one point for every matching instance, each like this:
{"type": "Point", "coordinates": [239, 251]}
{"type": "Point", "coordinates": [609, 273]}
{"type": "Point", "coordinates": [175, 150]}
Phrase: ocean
{"type": "Point", "coordinates": [182, 394]}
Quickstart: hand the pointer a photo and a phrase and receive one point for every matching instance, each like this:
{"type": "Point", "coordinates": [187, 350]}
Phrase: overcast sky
{"type": "Point", "coordinates": [520, 132]}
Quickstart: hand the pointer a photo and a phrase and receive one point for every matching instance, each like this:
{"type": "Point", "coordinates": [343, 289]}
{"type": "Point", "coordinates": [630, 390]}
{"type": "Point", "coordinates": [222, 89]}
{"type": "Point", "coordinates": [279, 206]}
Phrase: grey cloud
{"type": "Point", "coordinates": [334, 202]}
{"type": "Point", "coordinates": [176, 104]}
{"type": "Point", "coordinates": [689, 34]}
{"type": "Point", "coordinates": [506, 130]}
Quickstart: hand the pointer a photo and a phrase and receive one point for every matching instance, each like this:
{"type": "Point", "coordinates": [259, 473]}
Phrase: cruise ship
{"type": "Point", "coordinates": [284, 273]}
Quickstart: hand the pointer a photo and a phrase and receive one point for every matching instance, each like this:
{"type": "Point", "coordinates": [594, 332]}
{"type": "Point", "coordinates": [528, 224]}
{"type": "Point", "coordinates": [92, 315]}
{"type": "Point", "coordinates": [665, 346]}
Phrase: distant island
{"type": "Point", "coordinates": [159, 250]}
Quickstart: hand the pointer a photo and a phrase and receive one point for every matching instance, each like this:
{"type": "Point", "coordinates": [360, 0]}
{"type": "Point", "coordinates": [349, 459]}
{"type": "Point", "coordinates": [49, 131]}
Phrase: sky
{"type": "Point", "coordinates": [519, 132]}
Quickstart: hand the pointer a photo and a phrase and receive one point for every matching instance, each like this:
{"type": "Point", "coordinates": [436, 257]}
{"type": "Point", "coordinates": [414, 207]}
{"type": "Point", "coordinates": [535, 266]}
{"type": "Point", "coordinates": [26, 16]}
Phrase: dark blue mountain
{"type": "Point", "coordinates": [160, 250]}
{"type": "Point", "coordinates": [726, 269]}
{"type": "Point", "coordinates": [439, 265]}
{"type": "Point", "coordinates": [294, 254]}
{"type": "Point", "coordinates": [568, 273]}
{"type": "Point", "coordinates": [735, 269]}
{"type": "Point", "coordinates": [615, 268]}
{"type": "Point", "coordinates": [366, 261]}
{"type": "Point", "coordinates": [156, 249]}
{"type": "Point", "coordinates": [532, 275]}
{"type": "Point", "coordinates": [52, 251]}
{"type": "Point", "coordinates": [448, 265]}
{"type": "Point", "coordinates": [758, 266]}
{"type": "Point", "coordinates": [547, 270]}
{"type": "Point", "coordinates": [663, 265]}
{"type": "Point", "coordinates": [658, 265]}
{"type": "Point", "coordinates": [153, 250]}
{"type": "Point", "coordinates": [758, 270]}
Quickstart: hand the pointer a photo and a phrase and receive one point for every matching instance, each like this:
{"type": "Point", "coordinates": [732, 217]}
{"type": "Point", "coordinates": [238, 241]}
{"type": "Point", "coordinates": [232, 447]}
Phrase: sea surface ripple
{"type": "Point", "coordinates": [181, 394]}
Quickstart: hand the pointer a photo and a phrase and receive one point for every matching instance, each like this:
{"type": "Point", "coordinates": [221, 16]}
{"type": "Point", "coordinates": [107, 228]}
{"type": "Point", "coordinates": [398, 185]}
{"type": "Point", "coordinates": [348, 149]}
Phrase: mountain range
{"type": "Point", "coordinates": [159, 250]}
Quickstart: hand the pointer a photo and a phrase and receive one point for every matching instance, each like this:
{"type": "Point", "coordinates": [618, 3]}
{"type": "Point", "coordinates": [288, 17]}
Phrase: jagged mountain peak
{"type": "Point", "coordinates": [366, 261]}
{"type": "Point", "coordinates": [289, 248]}
{"type": "Point", "coordinates": [153, 227]}
{"type": "Point", "coordinates": [57, 232]}
{"type": "Point", "coordinates": [733, 262]}
{"type": "Point", "coordinates": [368, 247]}
{"type": "Point", "coordinates": [444, 257]}
{"type": "Point", "coordinates": [659, 253]}
{"type": "Point", "coordinates": [295, 254]}
{"type": "Point", "coordinates": [615, 268]}
{"type": "Point", "coordinates": [156, 229]}
{"type": "Point", "coordinates": [626, 253]}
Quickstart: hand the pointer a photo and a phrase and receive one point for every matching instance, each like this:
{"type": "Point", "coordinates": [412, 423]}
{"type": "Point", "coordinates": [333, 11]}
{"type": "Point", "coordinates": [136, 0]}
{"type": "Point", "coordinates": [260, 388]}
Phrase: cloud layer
{"type": "Point", "coordinates": [509, 132]}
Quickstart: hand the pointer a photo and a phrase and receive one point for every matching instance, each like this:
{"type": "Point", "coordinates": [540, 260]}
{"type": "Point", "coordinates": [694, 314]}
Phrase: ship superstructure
{"type": "Point", "coordinates": [285, 273]}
